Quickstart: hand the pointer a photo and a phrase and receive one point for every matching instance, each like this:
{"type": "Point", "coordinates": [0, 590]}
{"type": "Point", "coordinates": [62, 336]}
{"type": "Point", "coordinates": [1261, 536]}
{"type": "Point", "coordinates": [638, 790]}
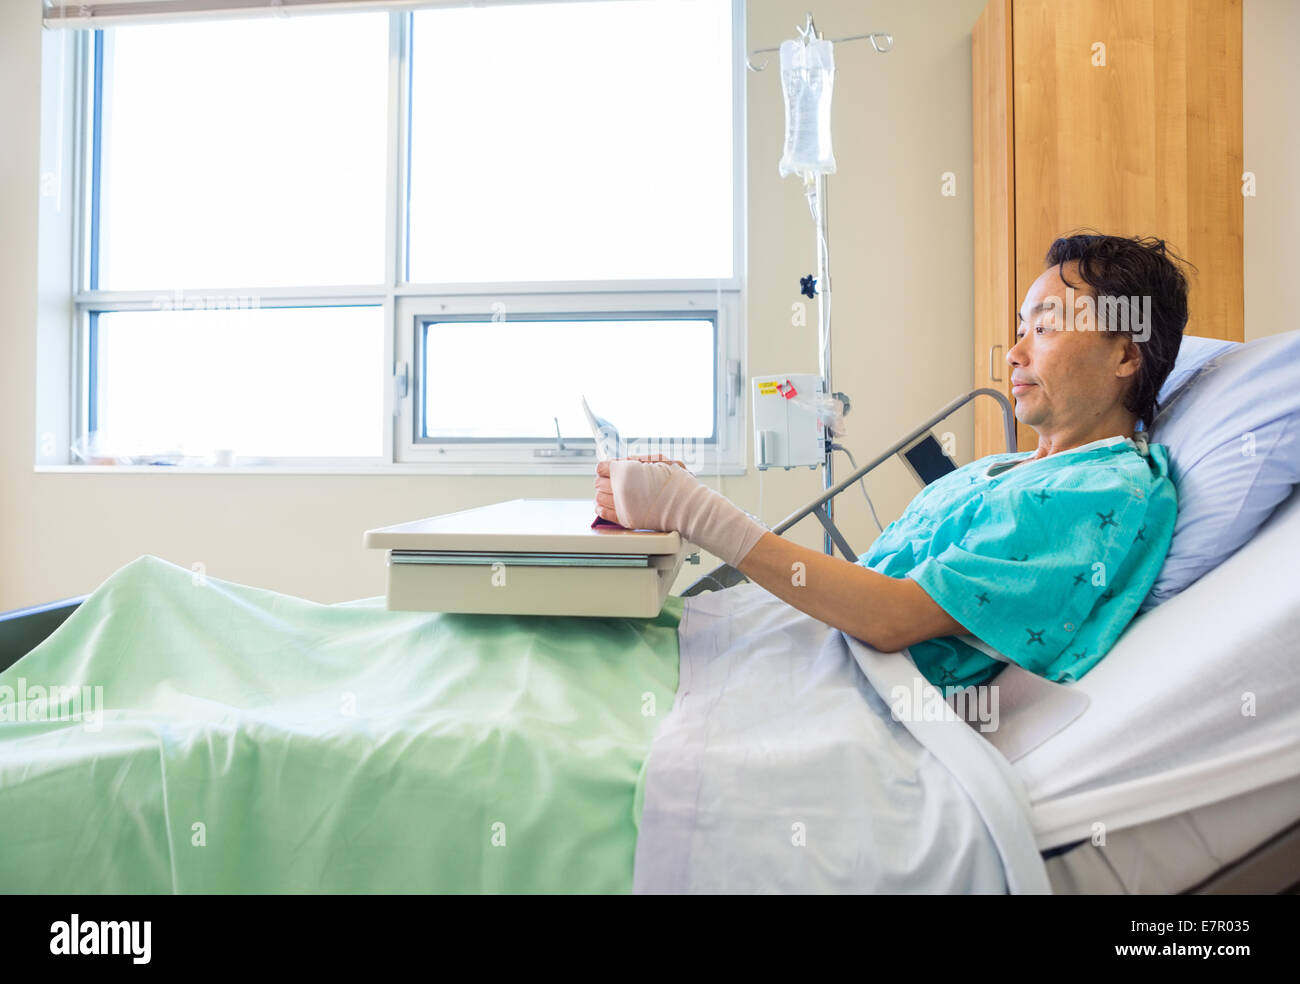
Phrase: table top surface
{"type": "Point", "coordinates": [523, 525]}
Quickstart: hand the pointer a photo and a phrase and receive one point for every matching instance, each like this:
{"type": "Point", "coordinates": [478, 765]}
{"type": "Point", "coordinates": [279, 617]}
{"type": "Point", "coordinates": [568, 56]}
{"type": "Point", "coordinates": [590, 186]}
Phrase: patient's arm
{"type": "Point", "coordinates": [888, 613]}
{"type": "Point", "coordinates": [885, 612]}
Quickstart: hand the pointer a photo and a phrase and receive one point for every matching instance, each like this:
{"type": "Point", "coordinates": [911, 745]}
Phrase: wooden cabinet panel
{"type": "Point", "coordinates": [994, 190]}
{"type": "Point", "coordinates": [1126, 118]}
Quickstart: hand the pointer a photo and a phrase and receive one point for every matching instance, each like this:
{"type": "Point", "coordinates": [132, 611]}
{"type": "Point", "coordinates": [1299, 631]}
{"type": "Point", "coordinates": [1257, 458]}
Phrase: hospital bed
{"type": "Point", "coordinates": [1189, 820]}
{"type": "Point", "coordinates": [1189, 806]}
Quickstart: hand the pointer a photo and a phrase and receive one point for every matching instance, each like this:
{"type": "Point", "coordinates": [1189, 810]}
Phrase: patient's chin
{"type": "Point", "coordinates": [1027, 416]}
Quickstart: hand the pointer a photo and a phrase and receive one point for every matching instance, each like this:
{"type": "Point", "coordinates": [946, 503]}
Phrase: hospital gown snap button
{"type": "Point", "coordinates": [1069, 626]}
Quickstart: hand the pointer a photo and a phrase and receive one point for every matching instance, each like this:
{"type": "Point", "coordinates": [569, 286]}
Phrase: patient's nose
{"type": "Point", "coordinates": [1015, 357]}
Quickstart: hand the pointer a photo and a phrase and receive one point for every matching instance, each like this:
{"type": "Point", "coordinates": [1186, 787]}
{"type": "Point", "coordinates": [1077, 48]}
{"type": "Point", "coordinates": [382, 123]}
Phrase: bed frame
{"type": "Point", "coordinates": [23, 629]}
{"type": "Point", "coordinates": [1270, 868]}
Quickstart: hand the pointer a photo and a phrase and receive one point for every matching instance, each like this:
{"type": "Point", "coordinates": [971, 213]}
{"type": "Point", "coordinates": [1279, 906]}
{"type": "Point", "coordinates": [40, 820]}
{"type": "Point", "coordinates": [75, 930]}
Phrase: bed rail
{"type": "Point", "coordinates": [724, 575]}
{"type": "Point", "coordinates": [23, 629]}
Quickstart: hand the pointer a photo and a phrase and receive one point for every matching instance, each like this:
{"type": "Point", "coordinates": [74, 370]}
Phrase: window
{"type": "Point", "coordinates": [412, 238]}
{"type": "Point", "coordinates": [242, 154]}
{"type": "Point", "coordinates": [587, 141]}
{"type": "Point", "coordinates": [669, 391]}
{"type": "Point", "coordinates": [267, 383]}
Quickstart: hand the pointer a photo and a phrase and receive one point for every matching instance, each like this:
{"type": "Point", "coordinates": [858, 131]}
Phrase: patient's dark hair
{"type": "Point", "coordinates": [1116, 266]}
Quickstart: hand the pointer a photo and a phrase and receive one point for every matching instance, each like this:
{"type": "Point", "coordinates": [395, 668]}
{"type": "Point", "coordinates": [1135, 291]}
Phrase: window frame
{"type": "Point", "coordinates": [405, 304]}
{"type": "Point", "coordinates": [486, 456]}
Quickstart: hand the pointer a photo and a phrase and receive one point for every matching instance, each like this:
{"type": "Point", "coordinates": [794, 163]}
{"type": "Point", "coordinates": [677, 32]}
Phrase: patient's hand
{"type": "Point", "coordinates": [605, 490]}
{"type": "Point", "coordinates": [652, 493]}
{"type": "Point", "coordinates": [654, 457]}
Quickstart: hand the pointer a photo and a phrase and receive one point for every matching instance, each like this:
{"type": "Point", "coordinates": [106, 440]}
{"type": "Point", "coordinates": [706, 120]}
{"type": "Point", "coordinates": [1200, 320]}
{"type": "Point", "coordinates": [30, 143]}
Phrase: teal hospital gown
{"type": "Point", "coordinates": [1046, 561]}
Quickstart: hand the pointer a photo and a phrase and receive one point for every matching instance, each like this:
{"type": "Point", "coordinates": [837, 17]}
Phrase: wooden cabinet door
{"type": "Point", "coordinates": [1126, 118]}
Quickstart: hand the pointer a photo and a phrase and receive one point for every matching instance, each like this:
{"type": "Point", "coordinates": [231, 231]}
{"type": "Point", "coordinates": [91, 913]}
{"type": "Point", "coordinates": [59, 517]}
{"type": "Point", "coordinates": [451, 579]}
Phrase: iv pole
{"type": "Point", "coordinates": [821, 286]}
{"type": "Point", "coordinates": [824, 348]}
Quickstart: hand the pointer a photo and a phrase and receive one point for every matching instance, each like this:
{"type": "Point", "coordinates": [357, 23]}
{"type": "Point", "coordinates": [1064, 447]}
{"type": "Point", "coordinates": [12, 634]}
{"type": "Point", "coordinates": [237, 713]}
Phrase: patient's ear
{"type": "Point", "coordinates": [1130, 360]}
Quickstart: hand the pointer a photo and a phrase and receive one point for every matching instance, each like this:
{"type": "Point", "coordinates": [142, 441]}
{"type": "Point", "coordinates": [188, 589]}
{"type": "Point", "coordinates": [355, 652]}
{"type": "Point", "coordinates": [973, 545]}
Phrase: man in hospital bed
{"type": "Point", "coordinates": [1044, 556]}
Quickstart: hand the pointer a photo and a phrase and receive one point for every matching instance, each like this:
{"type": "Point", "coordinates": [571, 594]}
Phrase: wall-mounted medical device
{"type": "Point", "coordinates": [789, 432]}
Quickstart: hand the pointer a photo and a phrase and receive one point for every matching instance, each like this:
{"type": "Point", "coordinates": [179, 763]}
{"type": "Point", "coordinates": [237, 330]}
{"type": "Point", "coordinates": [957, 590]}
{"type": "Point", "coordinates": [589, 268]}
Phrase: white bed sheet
{"type": "Point", "coordinates": [781, 768]}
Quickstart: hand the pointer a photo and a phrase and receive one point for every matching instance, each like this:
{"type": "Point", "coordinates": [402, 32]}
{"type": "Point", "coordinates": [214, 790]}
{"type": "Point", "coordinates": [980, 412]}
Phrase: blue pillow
{"type": "Point", "coordinates": [1193, 353]}
{"type": "Point", "coordinates": [1232, 428]}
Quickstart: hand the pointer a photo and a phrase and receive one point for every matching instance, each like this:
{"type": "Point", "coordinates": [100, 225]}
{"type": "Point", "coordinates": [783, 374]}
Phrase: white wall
{"type": "Point", "coordinates": [1271, 130]}
{"type": "Point", "coordinates": [902, 257]}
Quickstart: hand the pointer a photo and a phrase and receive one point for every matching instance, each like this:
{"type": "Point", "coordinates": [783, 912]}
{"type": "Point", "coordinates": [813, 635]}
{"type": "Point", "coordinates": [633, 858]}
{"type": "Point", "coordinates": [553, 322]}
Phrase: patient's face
{"type": "Point", "coordinates": [1075, 378]}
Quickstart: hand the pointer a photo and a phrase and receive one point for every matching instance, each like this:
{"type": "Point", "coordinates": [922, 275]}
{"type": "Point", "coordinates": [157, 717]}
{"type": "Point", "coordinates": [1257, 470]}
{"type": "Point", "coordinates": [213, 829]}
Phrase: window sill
{"type": "Point", "coordinates": [467, 470]}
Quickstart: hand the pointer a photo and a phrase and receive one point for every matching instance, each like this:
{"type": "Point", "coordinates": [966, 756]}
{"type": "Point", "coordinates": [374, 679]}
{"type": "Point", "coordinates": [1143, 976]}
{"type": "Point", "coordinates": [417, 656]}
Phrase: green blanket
{"type": "Point", "coordinates": [250, 741]}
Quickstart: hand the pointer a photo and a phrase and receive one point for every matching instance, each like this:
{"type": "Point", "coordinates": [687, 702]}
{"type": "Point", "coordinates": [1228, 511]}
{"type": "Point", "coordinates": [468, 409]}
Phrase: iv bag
{"type": "Point", "coordinates": [807, 74]}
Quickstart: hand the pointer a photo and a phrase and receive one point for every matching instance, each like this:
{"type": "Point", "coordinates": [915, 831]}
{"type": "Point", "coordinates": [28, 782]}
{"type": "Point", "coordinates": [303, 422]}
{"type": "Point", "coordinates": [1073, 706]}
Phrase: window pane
{"type": "Point", "coordinates": [262, 382]}
{"type": "Point", "coordinates": [648, 378]}
{"type": "Point", "coordinates": [245, 153]}
{"type": "Point", "coordinates": [585, 141]}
